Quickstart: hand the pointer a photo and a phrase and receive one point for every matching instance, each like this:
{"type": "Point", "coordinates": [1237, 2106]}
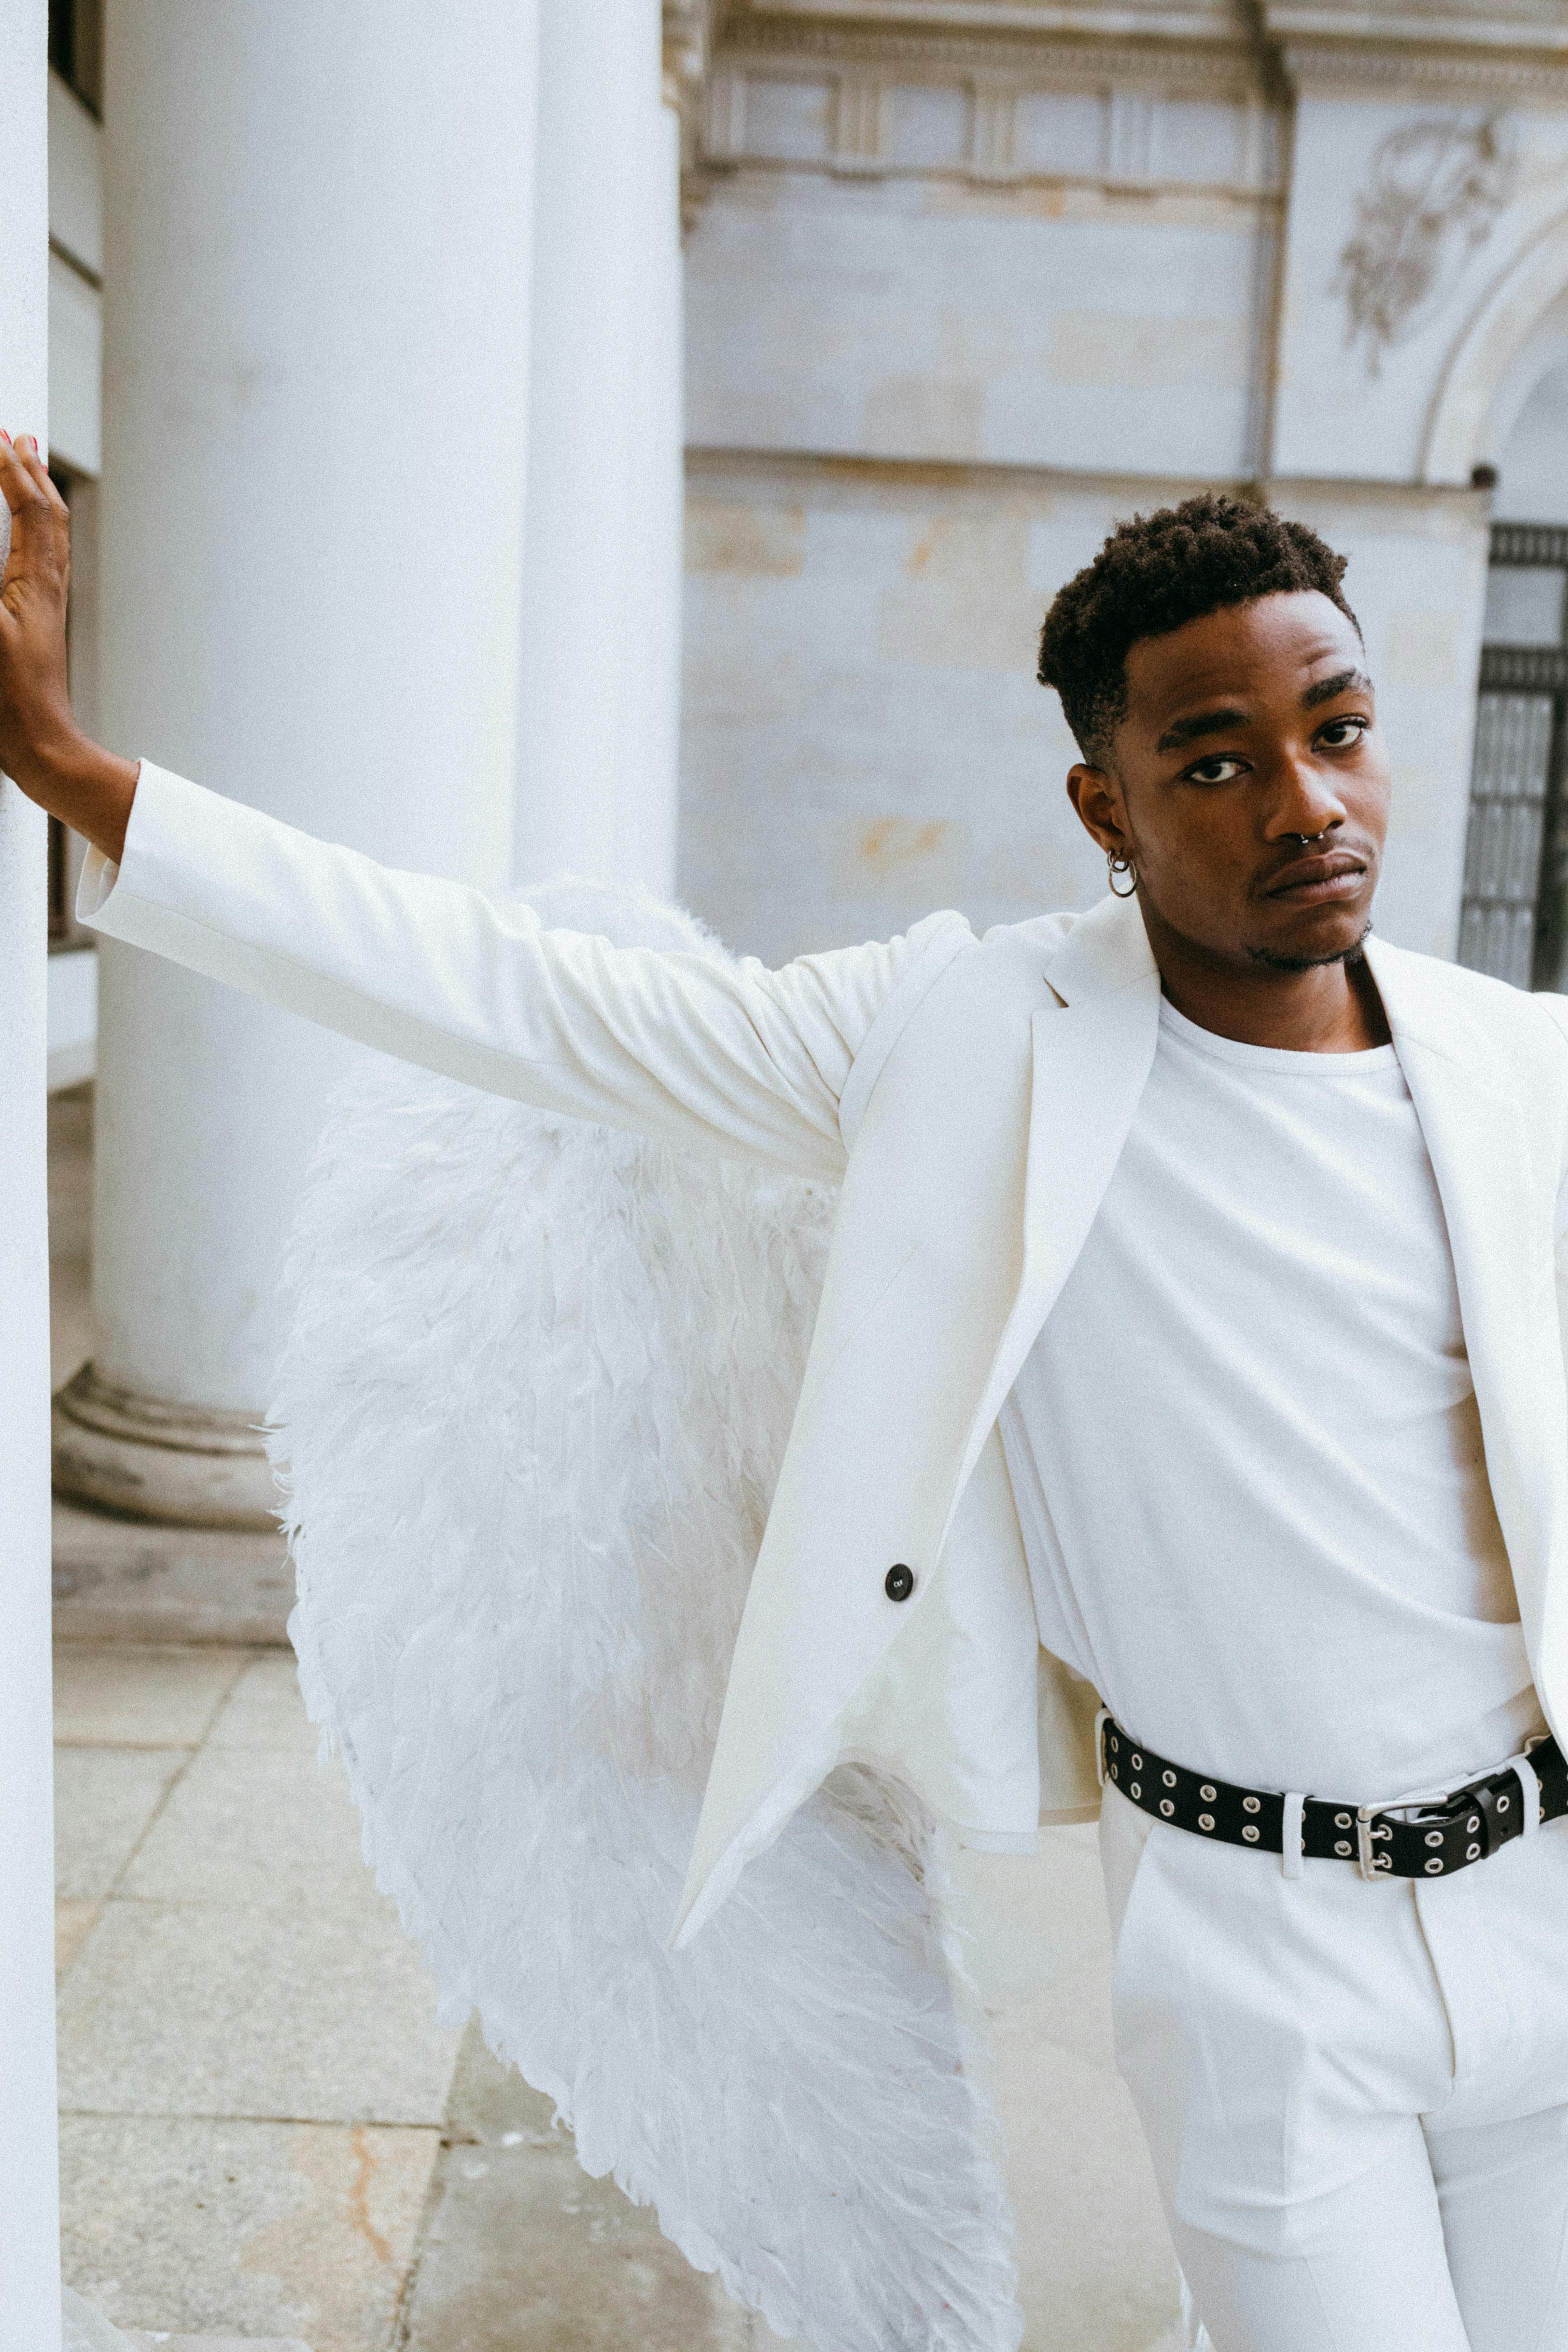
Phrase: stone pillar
{"type": "Point", "coordinates": [29, 2168]}
{"type": "Point", "coordinates": [597, 745]}
{"type": "Point", "coordinates": [316, 324]}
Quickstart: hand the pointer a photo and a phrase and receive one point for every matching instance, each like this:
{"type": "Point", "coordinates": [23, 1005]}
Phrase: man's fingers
{"type": "Point", "coordinates": [20, 468]}
{"type": "Point", "coordinates": [41, 519]}
{"type": "Point", "coordinates": [37, 465]}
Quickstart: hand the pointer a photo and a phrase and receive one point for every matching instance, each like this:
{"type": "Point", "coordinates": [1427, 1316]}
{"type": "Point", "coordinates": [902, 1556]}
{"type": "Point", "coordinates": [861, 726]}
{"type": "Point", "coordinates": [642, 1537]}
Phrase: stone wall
{"type": "Point", "coordinates": [959, 299]}
{"type": "Point", "coordinates": [865, 740]}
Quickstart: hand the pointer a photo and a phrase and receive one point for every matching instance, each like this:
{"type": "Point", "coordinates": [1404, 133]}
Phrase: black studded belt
{"type": "Point", "coordinates": [1398, 1839]}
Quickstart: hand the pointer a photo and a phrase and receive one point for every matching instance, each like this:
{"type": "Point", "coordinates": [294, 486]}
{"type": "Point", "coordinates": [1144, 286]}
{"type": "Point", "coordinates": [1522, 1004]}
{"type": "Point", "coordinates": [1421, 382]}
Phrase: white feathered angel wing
{"type": "Point", "coordinates": [538, 1384]}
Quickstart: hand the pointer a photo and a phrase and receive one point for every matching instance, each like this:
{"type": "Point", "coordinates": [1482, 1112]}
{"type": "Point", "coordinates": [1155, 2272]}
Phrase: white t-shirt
{"type": "Point", "coordinates": [1246, 1449]}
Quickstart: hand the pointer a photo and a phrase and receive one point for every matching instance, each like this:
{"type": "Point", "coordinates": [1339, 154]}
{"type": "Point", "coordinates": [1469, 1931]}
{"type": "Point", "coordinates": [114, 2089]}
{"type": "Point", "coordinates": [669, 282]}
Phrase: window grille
{"type": "Point", "coordinates": [1513, 918]}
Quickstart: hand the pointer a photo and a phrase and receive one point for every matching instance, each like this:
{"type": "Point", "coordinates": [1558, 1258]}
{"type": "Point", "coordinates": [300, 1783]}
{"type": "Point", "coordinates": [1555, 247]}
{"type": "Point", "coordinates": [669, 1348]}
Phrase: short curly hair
{"type": "Point", "coordinates": [1156, 573]}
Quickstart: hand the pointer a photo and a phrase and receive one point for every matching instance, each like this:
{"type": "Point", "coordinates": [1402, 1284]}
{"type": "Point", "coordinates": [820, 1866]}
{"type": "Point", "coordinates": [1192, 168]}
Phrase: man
{"type": "Point", "coordinates": [1191, 1311]}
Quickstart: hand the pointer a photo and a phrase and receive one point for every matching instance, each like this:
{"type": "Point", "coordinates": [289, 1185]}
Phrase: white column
{"type": "Point", "coordinates": [597, 747]}
{"type": "Point", "coordinates": [30, 2166]}
{"type": "Point", "coordinates": [316, 336]}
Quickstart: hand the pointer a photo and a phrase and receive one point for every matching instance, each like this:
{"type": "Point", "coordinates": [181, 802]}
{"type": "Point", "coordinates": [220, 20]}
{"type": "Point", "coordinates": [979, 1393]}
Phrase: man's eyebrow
{"type": "Point", "coordinates": [1326, 688]}
{"type": "Point", "coordinates": [1205, 722]}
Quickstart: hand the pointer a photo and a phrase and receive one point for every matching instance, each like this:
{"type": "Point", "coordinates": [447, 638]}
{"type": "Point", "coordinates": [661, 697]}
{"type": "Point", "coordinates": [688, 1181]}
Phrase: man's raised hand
{"type": "Point", "coordinates": [42, 746]}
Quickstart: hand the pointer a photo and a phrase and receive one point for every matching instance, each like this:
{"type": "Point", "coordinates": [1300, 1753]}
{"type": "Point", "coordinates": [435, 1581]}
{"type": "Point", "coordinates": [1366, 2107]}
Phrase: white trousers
{"type": "Point", "coordinates": [1356, 2096]}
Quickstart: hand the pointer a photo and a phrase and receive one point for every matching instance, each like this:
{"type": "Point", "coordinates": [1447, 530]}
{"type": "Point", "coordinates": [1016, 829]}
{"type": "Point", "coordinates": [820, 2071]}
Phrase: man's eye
{"type": "Point", "coordinates": [1221, 770]}
{"type": "Point", "coordinates": [1340, 734]}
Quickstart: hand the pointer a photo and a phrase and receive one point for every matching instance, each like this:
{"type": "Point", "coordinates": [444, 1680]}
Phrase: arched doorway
{"type": "Point", "coordinates": [1513, 919]}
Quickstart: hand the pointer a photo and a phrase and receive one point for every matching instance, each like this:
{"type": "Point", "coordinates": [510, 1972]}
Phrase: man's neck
{"type": "Point", "coordinates": [1332, 1008]}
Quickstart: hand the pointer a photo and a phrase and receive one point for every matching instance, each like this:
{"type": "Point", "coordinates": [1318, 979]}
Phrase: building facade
{"type": "Point", "coordinates": [958, 283]}
{"type": "Point", "coordinates": [966, 282]}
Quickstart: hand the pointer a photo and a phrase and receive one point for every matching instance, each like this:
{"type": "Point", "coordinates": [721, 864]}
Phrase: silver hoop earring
{"type": "Point", "coordinates": [1115, 864]}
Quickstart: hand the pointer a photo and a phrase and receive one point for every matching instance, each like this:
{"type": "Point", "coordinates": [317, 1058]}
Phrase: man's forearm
{"type": "Point", "coordinates": [87, 788]}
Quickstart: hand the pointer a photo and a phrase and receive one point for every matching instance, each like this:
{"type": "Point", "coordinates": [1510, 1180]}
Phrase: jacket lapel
{"type": "Point", "coordinates": [1092, 1052]}
{"type": "Point", "coordinates": [1499, 1236]}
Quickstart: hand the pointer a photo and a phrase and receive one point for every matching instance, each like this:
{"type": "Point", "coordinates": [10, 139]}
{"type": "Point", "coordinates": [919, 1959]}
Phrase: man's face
{"type": "Point", "coordinates": [1249, 783]}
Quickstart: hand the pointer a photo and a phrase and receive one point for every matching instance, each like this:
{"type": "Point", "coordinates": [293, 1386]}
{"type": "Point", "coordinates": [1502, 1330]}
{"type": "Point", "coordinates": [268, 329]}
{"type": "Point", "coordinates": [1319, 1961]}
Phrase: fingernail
{"type": "Point", "coordinates": [33, 443]}
{"type": "Point", "coordinates": [4, 436]}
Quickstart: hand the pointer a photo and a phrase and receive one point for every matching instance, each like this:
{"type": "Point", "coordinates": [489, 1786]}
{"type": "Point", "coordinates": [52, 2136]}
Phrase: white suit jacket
{"type": "Point", "coordinates": [972, 1095]}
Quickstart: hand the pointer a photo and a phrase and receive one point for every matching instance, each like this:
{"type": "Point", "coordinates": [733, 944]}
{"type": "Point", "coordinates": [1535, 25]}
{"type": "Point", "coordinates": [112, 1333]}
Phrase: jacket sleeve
{"type": "Point", "coordinates": [695, 1049]}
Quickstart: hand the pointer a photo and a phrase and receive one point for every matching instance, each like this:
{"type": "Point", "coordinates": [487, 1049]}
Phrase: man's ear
{"type": "Point", "coordinates": [1096, 794]}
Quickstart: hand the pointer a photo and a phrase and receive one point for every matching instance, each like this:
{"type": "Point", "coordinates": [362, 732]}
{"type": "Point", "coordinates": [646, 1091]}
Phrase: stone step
{"type": "Point", "coordinates": [87, 2330]}
{"type": "Point", "coordinates": [142, 2342]}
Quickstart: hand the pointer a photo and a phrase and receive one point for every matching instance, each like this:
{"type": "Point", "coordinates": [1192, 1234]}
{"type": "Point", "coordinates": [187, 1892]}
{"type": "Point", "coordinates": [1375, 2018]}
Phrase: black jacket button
{"type": "Point", "coordinates": [898, 1583]}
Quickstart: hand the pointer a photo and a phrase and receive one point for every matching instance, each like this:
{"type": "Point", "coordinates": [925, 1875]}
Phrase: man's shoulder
{"type": "Point", "coordinates": [1035, 932]}
{"type": "Point", "coordinates": [1448, 1001]}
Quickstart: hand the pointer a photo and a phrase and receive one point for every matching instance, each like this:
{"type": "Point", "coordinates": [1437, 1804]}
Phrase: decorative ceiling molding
{"type": "Point", "coordinates": [1467, 76]}
{"type": "Point", "coordinates": [1505, 49]}
{"type": "Point", "coordinates": [1137, 135]}
{"type": "Point", "coordinates": [1507, 25]}
{"type": "Point", "coordinates": [1060, 63]}
{"type": "Point", "coordinates": [1498, 49]}
{"type": "Point", "coordinates": [1065, 64]}
{"type": "Point", "coordinates": [1220, 20]}
{"type": "Point", "coordinates": [1007, 38]}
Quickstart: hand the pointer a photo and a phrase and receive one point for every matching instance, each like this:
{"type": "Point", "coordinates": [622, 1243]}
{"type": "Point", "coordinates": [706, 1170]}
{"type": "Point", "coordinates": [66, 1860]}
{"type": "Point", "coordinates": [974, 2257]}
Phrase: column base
{"type": "Point", "coordinates": [176, 1464]}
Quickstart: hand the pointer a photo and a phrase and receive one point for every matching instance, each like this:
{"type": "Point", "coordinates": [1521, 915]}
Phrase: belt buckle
{"type": "Point", "coordinates": [1369, 1828]}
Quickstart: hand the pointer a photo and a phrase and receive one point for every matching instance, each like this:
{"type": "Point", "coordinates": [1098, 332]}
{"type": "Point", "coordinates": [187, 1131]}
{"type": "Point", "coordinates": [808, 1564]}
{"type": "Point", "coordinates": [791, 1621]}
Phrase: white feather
{"type": "Point", "coordinates": [539, 1385]}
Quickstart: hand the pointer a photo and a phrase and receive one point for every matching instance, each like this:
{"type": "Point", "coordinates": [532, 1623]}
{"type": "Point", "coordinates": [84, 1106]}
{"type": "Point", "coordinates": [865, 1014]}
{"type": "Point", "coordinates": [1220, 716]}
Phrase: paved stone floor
{"type": "Point", "coordinates": [266, 2135]}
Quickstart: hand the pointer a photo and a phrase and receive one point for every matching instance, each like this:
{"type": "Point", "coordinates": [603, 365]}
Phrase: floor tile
{"type": "Point", "coordinates": [258, 1825]}
{"type": "Point", "coordinates": [1096, 2272]}
{"type": "Point", "coordinates": [243, 2229]}
{"type": "Point", "coordinates": [527, 2254]}
{"type": "Point", "coordinates": [74, 1922]}
{"type": "Point", "coordinates": [128, 1696]}
{"type": "Point", "coordinates": [265, 1708]}
{"type": "Point", "coordinates": [104, 1799]}
{"type": "Point", "coordinates": [296, 2010]}
{"type": "Point", "coordinates": [1036, 1927]}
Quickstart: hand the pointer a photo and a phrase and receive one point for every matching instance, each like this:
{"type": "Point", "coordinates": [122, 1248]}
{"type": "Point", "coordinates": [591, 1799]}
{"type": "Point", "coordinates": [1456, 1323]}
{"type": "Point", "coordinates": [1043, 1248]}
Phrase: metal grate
{"type": "Point", "coordinates": [1502, 848]}
{"type": "Point", "coordinates": [1515, 905]}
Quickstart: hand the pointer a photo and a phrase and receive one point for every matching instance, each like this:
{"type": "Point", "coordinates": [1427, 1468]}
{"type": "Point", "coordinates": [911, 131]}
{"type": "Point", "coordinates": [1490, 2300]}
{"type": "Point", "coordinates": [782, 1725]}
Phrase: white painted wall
{"type": "Point", "coordinates": [1532, 470]}
{"type": "Point", "coordinates": [29, 2164]}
